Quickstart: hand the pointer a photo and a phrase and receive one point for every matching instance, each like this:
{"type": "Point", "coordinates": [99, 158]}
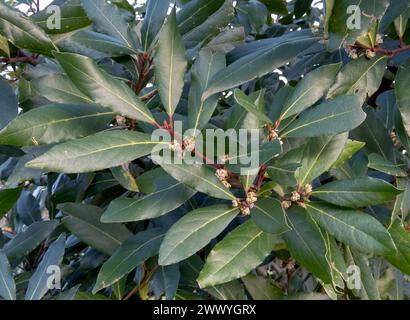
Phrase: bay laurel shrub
{"type": "Point", "coordinates": [87, 213]}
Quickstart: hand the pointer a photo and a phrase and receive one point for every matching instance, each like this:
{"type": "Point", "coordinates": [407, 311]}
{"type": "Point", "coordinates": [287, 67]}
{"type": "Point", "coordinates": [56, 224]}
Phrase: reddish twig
{"type": "Point", "coordinates": [30, 60]}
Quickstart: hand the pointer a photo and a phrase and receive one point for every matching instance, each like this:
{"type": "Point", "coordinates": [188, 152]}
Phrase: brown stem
{"type": "Point", "coordinates": [29, 60]}
{"type": "Point", "coordinates": [392, 51]}
{"type": "Point", "coordinates": [261, 177]}
{"type": "Point", "coordinates": [143, 283]}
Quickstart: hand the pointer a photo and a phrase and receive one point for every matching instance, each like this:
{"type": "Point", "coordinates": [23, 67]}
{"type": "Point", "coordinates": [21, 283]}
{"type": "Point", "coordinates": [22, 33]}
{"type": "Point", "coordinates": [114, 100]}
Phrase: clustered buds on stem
{"type": "Point", "coordinates": [249, 202]}
{"type": "Point", "coordinates": [223, 175]}
{"type": "Point", "coordinates": [357, 50]}
{"type": "Point", "coordinates": [273, 134]}
{"type": "Point", "coordinates": [188, 145]}
{"type": "Point", "coordinates": [300, 196]}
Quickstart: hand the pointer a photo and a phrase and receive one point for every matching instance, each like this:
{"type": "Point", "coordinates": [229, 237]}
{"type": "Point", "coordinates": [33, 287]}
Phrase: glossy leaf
{"type": "Point", "coordinates": [359, 77]}
{"type": "Point", "coordinates": [168, 195]}
{"type": "Point", "coordinates": [357, 193]}
{"type": "Point", "coordinates": [7, 284]}
{"type": "Point", "coordinates": [194, 231]}
{"type": "Point", "coordinates": [306, 244]}
{"type": "Point", "coordinates": [155, 15]}
{"type": "Point", "coordinates": [355, 228]}
{"type": "Point", "coordinates": [38, 284]}
{"type": "Point", "coordinates": [8, 109]}
{"type": "Point", "coordinates": [8, 198]}
{"type": "Point", "coordinates": [329, 118]}
{"type": "Point", "coordinates": [102, 150]}
{"type": "Point", "coordinates": [200, 178]}
{"type": "Point", "coordinates": [111, 20]}
{"type": "Point", "coordinates": [269, 216]}
{"type": "Point", "coordinates": [240, 251]}
{"type": "Point", "coordinates": [27, 241]}
{"type": "Point", "coordinates": [170, 64]}
{"type": "Point", "coordinates": [204, 69]}
{"type": "Point", "coordinates": [55, 123]}
{"type": "Point", "coordinates": [58, 88]}
{"type": "Point", "coordinates": [133, 251]}
{"type": "Point", "coordinates": [379, 163]}
{"type": "Point", "coordinates": [22, 32]}
{"type": "Point", "coordinates": [246, 103]}
{"type": "Point", "coordinates": [402, 94]}
{"type": "Point", "coordinates": [257, 63]}
{"type": "Point", "coordinates": [84, 222]}
{"type": "Point", "coordinates": [101, 87]}
{"type": "Point", "coordinates": [318, 156]}
{"type": "Point", "coordinates": [310, 89]}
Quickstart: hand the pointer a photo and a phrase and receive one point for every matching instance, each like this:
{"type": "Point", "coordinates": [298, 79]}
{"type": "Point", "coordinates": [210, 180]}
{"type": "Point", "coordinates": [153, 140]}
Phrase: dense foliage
{"type": "Point", "coordinates": [325, 214]}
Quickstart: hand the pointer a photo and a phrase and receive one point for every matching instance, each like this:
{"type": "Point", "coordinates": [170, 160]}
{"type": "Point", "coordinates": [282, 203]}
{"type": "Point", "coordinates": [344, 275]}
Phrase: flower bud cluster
{"type": "Point", "coordinates": [300, 196]}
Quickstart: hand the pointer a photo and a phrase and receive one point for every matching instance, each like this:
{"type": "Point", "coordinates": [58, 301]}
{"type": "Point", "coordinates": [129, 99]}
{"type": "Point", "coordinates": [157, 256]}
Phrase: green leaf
{"type": "Point", "coordinates": [318, 156]}
{"type": "Point", "coordinates": [401, 258]}
{"type": "Point", "coordinates": [233, 290]}
{"type": "Point", "coordinates": [25, 242]}
{"type": "Point", "coordinates": [165, 281]}
{"type": "Point", "coordinates": [4, 46]}
{"type": "Point", "coordinates": [84, 222]}
{"type": "Point", "coordinates": [261, 288]}
{"type": "Point", "coordinates": [72, 17]}
{"type": "Point", "coordinates": [102, 88]}
{"type": "Point", "coordinates": [195, 13]}
{"type": "Point", "coordinates": [240, 118]}
{"type": "Point", "coordinates": [111, 20]}
{"type": "Point", "coordinates": [22, 32]}
{"type": "Point", "coordinates": [206, 66]}
{"type": "Point", "coordinates": [350, 149]}
{"type": "Point", "coordinates": [7, 284]}
{"type": "Point", "coordinates": [361, 77]}
{"type": "Point", "coordinates": [125, 177]}
{"type": "Point", "coordinates": [375, 135]}
{"type": "Point", "coordinates": [101, 42]}
{"type": "Point", "coordinates": [332, 117]}
{"type": "Point", "coordinates": [58, 88]}
{"type": "Point", "coordinates": [209, 21]}
{"type": "Point", "coordinates": [8, 198]}
{"type": "Point", "coordinates": [306, 243]}
{"type": "Point", "coordinates": [357, 193]}
{"type": "Point", "coordinates": [247, 103]}
{"type": "Point", "coordinates": [310, 89]}
{"type": "Point", "coordinates": [155, 15]}
{"type": "Point", "coordinates": [283, 173]}
{"type": "Point", "coordinates": [200, 178]}
{"type": "Point", "coordinates": [274, 54]}
{"type": "Point", "coordinates": [100, 151]}
{"type": "Point", "coordinates": [239, 252]}
{"type": "Point", "coordinates": [194, 231]}
{"type": "Point", "coordinates": [9, 107]}
{"type": "Point", "coordinates": [133, 251]}
{"type": "Point", "coordinates": [170, 64]}
{"type": "Point", "coordinates": [55, 123]}
{"type": "Point", "coordinates": [227, 40]}
{"type": "Point", "coordinates": [38, 284]}
{"type": "Point", "coordinates": [362, 21]}
{"type": "Point", "coordinates": [377, 162]}
{"type": "Point", "coordinates": [269, 215]}
{"type": "Point", "coordinates": [403, 95]}
{"type": "Point", "coordinates": [401, 132]}
{"type": "Point", "coordinates": [168, 195]}
{"type": "Point", "coordinates": [20, 173]}
{"type": "Point", "coordinates": [368, 285]}
{"type": "Point", "coordinates": [276, 6]}
{"type": "Point", "coordinates": [354, 228]}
